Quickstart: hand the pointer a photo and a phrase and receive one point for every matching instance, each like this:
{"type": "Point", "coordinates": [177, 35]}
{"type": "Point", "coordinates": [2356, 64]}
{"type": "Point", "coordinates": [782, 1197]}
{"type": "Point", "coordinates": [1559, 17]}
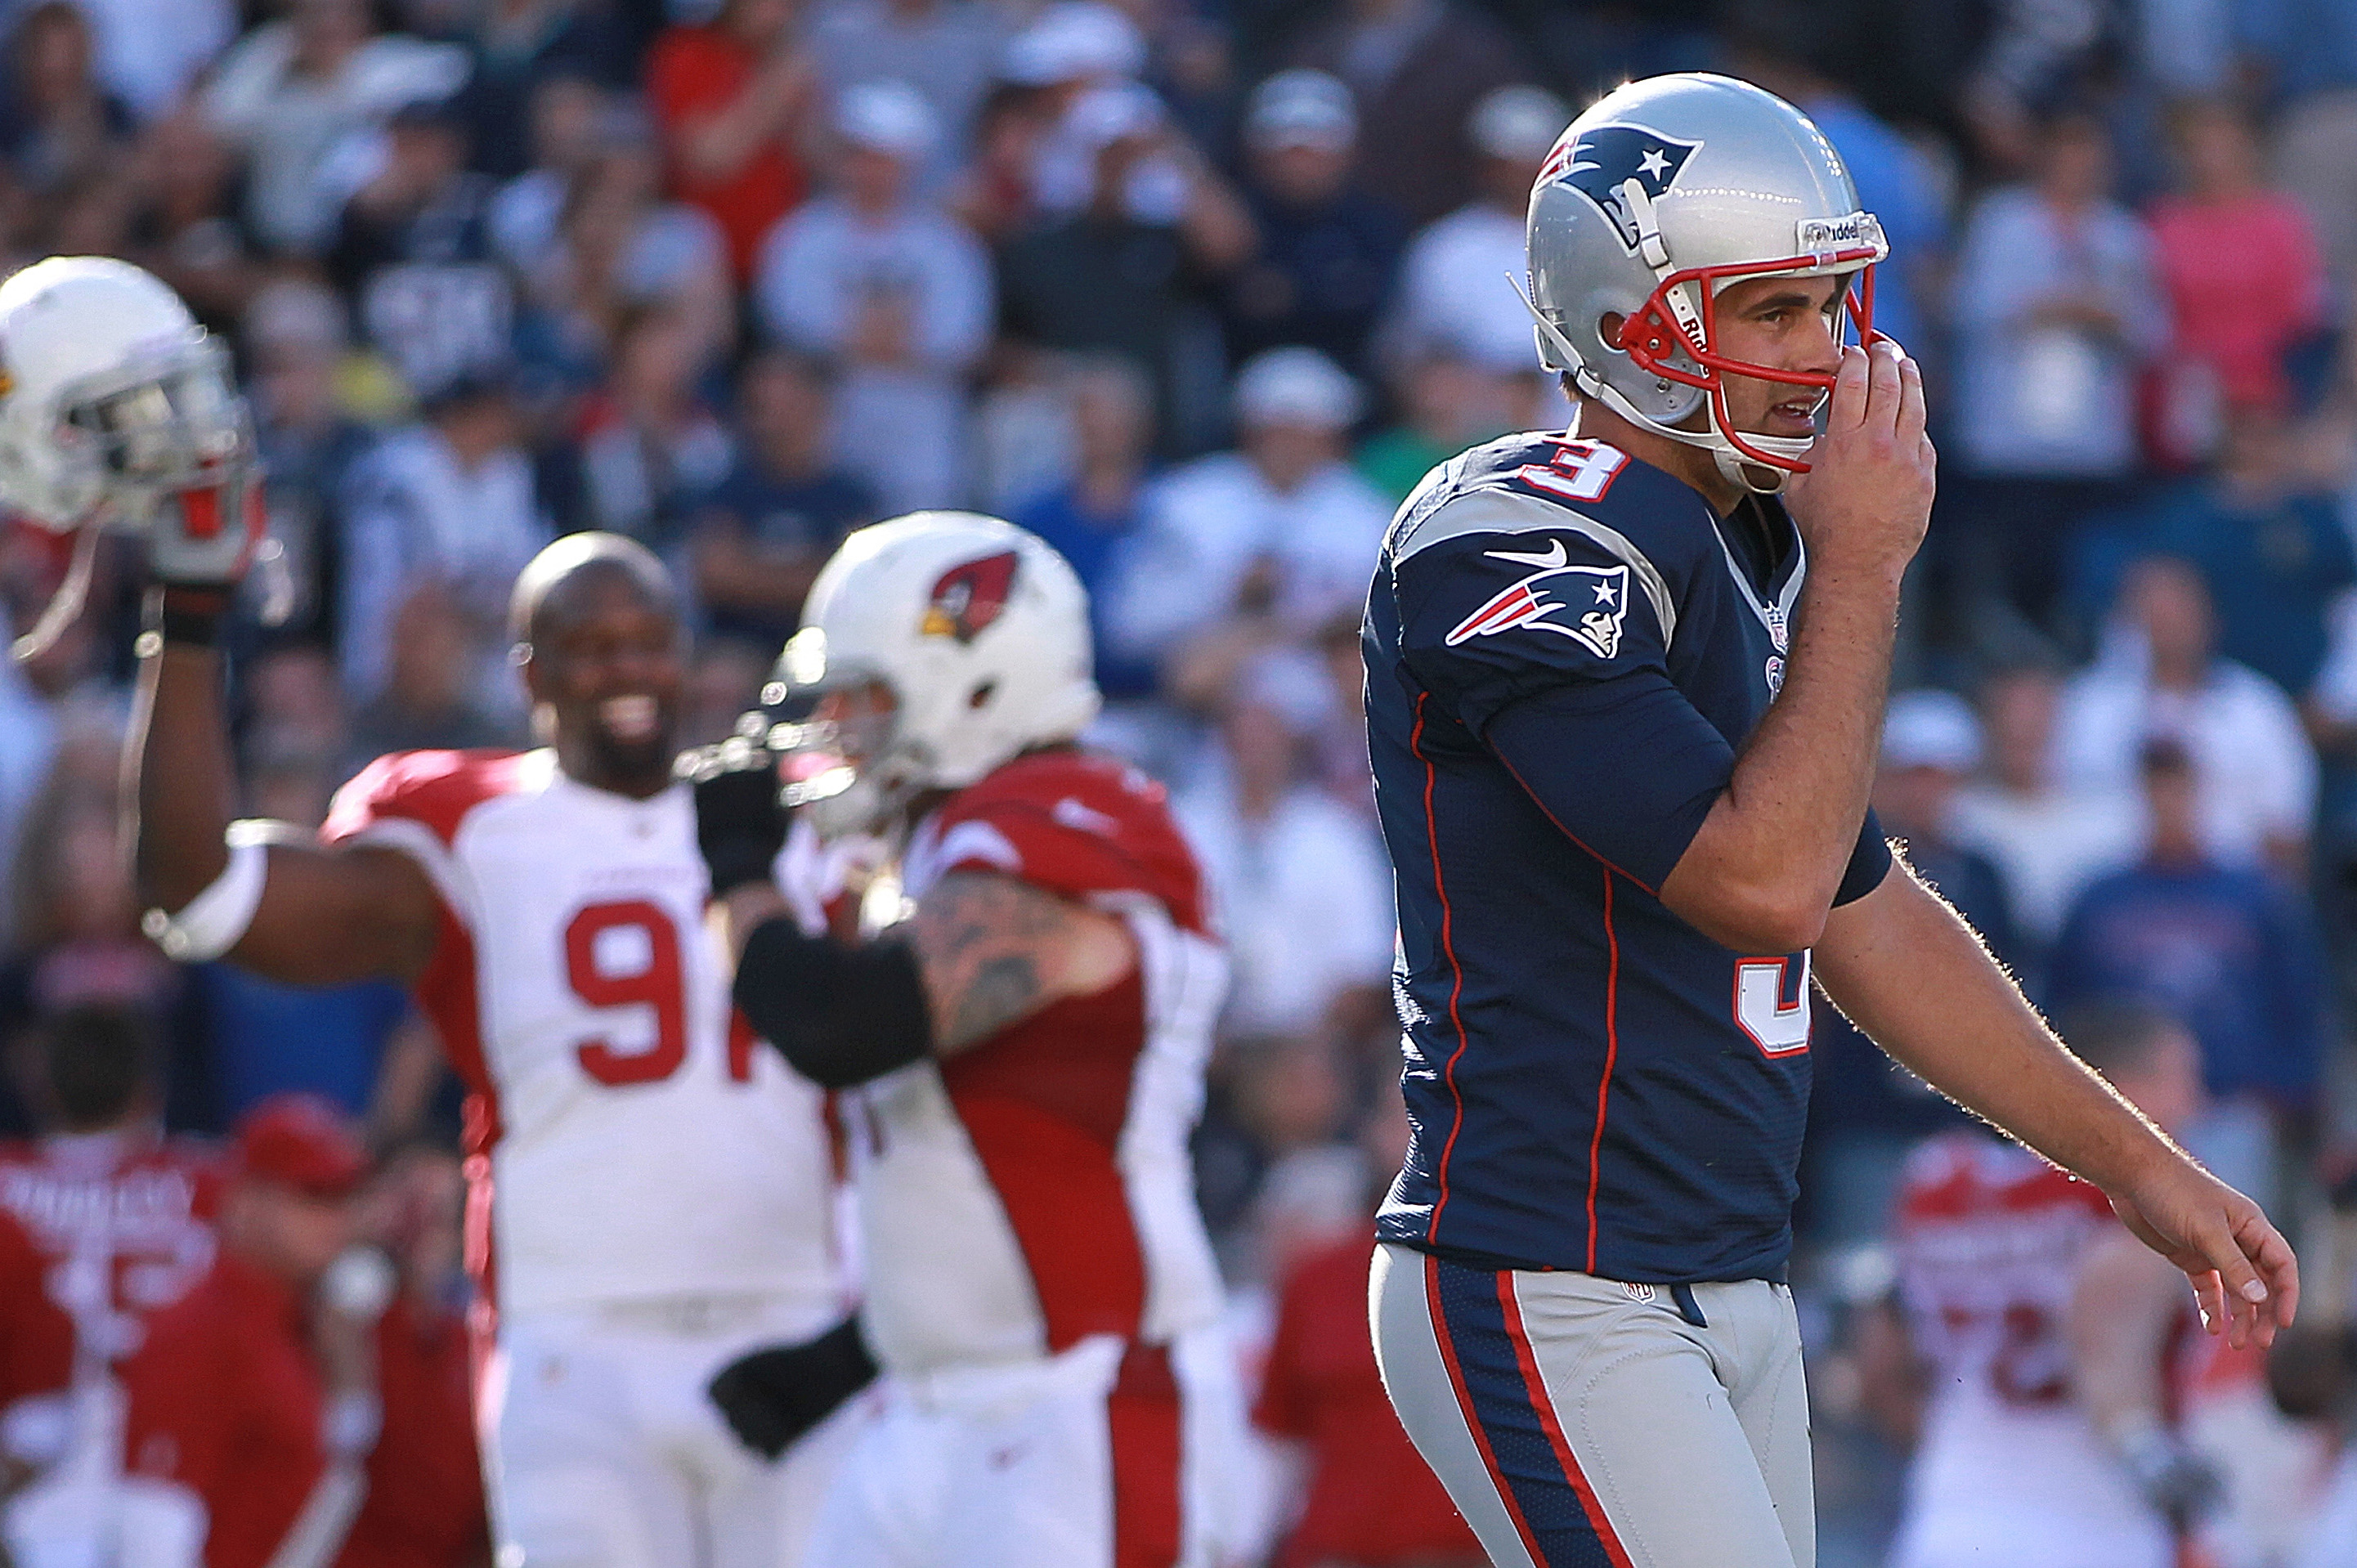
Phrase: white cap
{"type": "Point", "coordinates": [1104, 115]}
{"type": "Point", "coordinates": [1073, 39]}
{"type": "Point", "coordinates": [1931, 729]}
{"type": "Point", "coordinates": [295, 313]}
{"type": "Point", "coordinates": [886, 117]}
{"type": "Point", "coordinates": [1518, 122]}
{"type": "Point", "coordinates": [1300, 108]}
{"type": "Point", "coordinates": [1295, 386]}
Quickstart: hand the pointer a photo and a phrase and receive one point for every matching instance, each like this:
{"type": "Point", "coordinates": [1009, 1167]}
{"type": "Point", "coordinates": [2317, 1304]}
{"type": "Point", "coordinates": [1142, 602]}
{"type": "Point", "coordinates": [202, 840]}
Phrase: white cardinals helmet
{"type": "Point", "coordinates": [112, 397]}
{"type": "Point", "coordinates": [934, 647]}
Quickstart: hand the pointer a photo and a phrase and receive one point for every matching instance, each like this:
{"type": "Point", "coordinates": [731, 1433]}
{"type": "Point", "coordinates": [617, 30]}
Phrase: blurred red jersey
{"type": "Point", "coordinates": [1371, 1498]}
{"type": "Point", "coordinates": [122, 1222]}
{"type": "Point", "coordinates": [1989, 1239]}
{"type": "Point", "coordinates": [35, 1336]}
{"type": "Point", "coordinates": [226, 1401]}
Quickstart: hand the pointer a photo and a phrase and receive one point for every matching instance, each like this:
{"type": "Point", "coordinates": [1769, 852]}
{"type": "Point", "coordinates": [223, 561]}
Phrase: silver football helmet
{"type": "Point", "coordinates": [1661, 194]}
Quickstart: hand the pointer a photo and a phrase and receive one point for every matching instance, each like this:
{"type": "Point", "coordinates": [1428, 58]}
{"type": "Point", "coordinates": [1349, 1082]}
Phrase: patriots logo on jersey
{"type": "Point", "coordinates": [968, 597]}
{"type": "Point", "coordinates": [1595, 600]}
{"type": "Point", "coordinates": [1603, 160]}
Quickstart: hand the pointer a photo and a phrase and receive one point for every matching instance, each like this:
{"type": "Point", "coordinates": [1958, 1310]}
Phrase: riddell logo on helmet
{"type": "Point", "coordinates": [968, 597]}
{"type": "Point", "coordinates": [1602, 161]}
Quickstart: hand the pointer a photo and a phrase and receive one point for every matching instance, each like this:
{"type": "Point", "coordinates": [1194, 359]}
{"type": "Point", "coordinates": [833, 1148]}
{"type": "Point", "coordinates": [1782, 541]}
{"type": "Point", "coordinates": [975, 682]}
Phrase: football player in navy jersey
{"type": "Point", "coordinates": [1624, 692]}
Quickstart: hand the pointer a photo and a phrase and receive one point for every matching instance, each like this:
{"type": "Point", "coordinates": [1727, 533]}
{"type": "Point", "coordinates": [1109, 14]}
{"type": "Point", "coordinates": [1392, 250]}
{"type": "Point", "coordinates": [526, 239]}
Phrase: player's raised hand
{"type": "Point", "coordinates": [206, 538]}
{"type": "Point", "coordinates": [740, 823]}
{"type": "Point", "coordinates": [2245, 1278]}
{"type": "Point", "coordinates": [1867, 498]}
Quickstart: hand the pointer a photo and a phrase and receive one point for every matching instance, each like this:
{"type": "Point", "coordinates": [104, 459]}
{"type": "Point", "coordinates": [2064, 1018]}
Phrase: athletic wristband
{"type": "Point", "coordinates": [190, 617]}
{"type": "Point", "coordinates": [210, 924]}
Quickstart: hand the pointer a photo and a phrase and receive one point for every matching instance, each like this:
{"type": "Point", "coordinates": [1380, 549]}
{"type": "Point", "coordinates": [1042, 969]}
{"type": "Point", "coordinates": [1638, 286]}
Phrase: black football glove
{"type": "Point", "coordinates": [740, 823]}
{"type": "Point", "coordinates": [773, 1395]}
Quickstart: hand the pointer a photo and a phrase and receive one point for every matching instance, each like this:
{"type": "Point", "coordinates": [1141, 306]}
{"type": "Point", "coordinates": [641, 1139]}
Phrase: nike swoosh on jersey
{"type": "Point", "coordinates": [1551, 558]}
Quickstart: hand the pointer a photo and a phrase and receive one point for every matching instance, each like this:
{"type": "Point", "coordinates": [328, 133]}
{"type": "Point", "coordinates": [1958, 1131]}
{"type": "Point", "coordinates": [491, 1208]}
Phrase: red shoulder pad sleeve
{"type": "Point", "coordinates": [1076, 824]}
{"type": "Point", "coordinates": [434, 789]}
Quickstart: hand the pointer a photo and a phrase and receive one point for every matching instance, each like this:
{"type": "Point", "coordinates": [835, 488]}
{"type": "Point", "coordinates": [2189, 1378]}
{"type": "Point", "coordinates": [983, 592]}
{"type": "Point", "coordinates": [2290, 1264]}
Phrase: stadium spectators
{"type": "Point", "coordinates": [1090, 518]}
{"type": "Point", "coordinates": [1199, 292]}
{"type": "Point", "coordinates": [2237, 262]}
{"type": "Point", "coordinates": [2048, 836]}
{"type": "Point", "coordinates": [2269, 544]}
{"type": "Point", "coordinates": [1298, 878]}
{"type": "Point", "coordinates": [1328, 250]}
{"type": "Point", "coordinates": [762, 533]}
{"type": "Point", "coordinates": [733, 96]}
{"type": "Point", "coordinates": [2255, 773]}
{"type": "Point", "coordinates": [877, 278]}
{"type": "Point", "coordinates": [452, 500]}
{"type": "Point", "coordinates": [1417, 68]}
{"type": "Point", "coordinates": [2223, 948]}
{"type": "Point", "coordinates": [1265, 538]}
{"type": "Point", "coordinates": [2055, 313]}
{"type": "Point", "coordinates": [291, 93]}
{"type": "Point", "coordinates": [1456, 293]}
{"type": "Point", "coordinates": [268, 1399]}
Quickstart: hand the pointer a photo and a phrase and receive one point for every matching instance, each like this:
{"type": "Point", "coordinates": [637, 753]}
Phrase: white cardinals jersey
{"type": "Point", "coordinates": [1035, 1191]}
{"type": "Point", "coordinates": [628, 1137]}
{"type": "Point", "coordinates": [1989, 1238]}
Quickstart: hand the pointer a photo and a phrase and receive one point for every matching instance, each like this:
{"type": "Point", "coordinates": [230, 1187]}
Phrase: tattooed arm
{"type": "Point", "coordinates": [993, 950]}
{"type": "Point", "coordinates": [990, 950]}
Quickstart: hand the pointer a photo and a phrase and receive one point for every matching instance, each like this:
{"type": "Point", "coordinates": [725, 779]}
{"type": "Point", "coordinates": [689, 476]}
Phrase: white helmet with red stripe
{"type": "Point", "coordinates": [112, 397]}
{"type": "Point", "coordinates": [934, 647]}
{"type": "Point", "coordinates": [1661, 194]}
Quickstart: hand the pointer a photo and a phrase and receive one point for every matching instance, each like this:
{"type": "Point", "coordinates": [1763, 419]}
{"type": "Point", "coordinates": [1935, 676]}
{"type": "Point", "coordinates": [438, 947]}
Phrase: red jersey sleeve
{"type": "Point", "coordinates": [1075, 824]}
{"type": "Point", "coordinates": [428, 790]}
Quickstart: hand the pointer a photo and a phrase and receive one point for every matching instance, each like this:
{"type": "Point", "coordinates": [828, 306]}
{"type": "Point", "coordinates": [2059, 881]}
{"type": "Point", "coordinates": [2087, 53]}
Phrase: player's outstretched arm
{"type": "Point", "coordinates": [1911, 974]}
{"type": "Point", "coordinates": [322, 915]}
{"type": "Point", "coordinates": [983, 951]}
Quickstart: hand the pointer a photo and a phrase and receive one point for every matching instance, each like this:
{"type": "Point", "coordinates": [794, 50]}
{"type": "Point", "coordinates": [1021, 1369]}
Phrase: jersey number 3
{"type": "Point", "coordinates": [1771, 1004]}
{"type": "Point", "coordinates": [1581, 471]}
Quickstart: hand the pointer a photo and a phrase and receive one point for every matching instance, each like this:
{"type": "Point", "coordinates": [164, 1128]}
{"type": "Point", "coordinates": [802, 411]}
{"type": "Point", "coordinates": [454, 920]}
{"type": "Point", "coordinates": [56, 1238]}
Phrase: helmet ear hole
{"type": "Point", "coordinates": [980, 696]}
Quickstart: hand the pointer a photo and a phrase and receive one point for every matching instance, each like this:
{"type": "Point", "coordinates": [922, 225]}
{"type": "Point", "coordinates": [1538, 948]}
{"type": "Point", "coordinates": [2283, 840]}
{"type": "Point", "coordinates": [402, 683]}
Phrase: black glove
{"type": "Point", "coordinates": [740, 823]}
{"type": "Point", "coordinates": [772, 1396]}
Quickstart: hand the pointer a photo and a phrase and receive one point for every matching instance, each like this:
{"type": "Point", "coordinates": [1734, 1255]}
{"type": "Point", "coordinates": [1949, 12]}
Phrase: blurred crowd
{"type": "Point", "coordinates": [1198, 290]}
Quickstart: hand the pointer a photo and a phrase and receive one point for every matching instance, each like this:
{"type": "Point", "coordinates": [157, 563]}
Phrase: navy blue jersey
{"type": "Point", "coordinates": [1565, 648]}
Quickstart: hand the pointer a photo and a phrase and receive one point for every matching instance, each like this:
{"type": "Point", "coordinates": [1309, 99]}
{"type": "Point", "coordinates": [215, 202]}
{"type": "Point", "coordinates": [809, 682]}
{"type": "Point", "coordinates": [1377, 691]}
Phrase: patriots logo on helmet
{"type": "Point", "coordinates": [968, 597]}
{"type": "Point", "coordinates": [1601, 161]}
{"type": "Point", "coordinates": [1594, 606]}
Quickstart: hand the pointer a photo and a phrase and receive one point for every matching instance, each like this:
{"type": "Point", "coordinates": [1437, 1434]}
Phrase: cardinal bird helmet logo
{"type": "Point", "coordinates": [969, 597]}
